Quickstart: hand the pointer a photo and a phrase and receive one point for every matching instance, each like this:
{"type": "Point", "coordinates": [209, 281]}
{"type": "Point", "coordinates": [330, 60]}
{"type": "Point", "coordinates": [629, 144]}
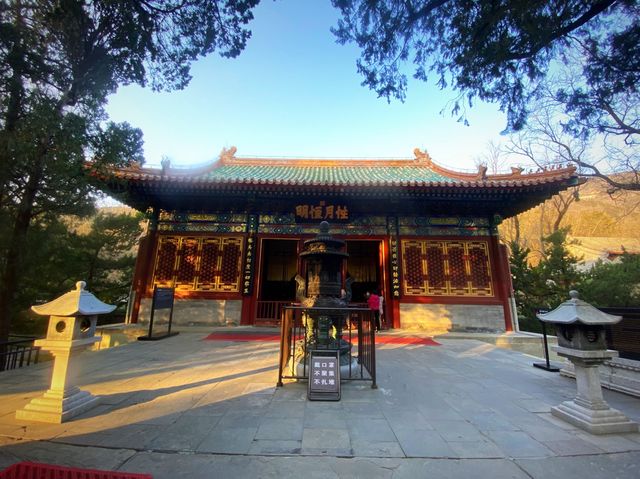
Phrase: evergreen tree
{"type": "Point", "coordinates": [581, 54]}
{"type": "Point", "coordinates": [499, 50]}
{"type": "Point", "coordinates": [59, 59]}
{"type": "Point", "coordinates": [99, 250]}
{"type": "Point", "coordinates": [613, 284]}
{"type": "Point", "coordinates": [545, 285]}
{"type": "Point", "coordinates": [527, 285]}
{"type": "Point", "coordinates": [558, 268]}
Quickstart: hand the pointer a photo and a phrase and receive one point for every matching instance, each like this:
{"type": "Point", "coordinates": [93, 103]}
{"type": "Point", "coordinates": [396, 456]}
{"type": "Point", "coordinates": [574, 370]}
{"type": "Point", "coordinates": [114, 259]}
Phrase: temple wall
{"type": "Point", "coordinates": [442, 318]}
{"type": "Point", "coordinates": [209, 312]}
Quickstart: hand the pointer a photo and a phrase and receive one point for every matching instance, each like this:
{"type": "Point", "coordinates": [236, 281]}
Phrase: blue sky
{"type": "Point", "coordinates": [294, 92]}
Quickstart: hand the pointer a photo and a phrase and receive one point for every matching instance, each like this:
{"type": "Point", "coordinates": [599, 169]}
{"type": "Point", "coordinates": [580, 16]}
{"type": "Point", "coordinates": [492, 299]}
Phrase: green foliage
{"type": "Point", "coordinates": [545, 285]}
{"type": "Point", "coordinates": [58, 62]}
{"type": "Point", "coordinates": [528, 287]}
{"type": "Point", "coordinates": [100, 251]}
{"type": "Point", "coordinates": [613, 284]}
{"type": "Point", "coordinates": [501, 51]}
{"type": "Point", "coordinates": [558, 268]}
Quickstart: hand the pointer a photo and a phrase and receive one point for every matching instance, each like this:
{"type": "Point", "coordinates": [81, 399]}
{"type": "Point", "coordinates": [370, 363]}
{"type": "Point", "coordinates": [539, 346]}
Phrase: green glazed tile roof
{"type": "Point", "coordinates": [420, 171]}
{"type": "Point", "coordinates": [331, 175]}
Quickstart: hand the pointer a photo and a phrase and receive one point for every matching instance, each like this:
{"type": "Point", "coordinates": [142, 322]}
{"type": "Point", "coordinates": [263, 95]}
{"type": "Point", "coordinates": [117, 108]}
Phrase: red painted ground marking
{"type": "Point", "coordinates": [35, 470]}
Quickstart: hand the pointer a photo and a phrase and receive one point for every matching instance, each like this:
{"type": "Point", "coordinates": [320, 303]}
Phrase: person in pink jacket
{"type": "Point", "coordinates": [373, 300]}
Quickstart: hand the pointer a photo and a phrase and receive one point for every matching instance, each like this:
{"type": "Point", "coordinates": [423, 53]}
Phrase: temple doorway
{"type": "Point", "coordinates": [277, 286]}
{"type": "Point", "coordinates": [364, 265]}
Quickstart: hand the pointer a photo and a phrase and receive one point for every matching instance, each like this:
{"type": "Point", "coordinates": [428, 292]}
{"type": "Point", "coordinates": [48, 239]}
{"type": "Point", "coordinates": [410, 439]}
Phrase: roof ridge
{"type": "Point", "coordinates": [392, 171]}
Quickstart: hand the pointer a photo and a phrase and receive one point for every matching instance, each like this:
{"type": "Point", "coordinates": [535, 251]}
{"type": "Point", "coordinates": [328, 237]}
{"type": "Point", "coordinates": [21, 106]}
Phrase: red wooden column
{"type": "Point", "coordinates": [144, 264]}
{"type": "Point", "coordinates": [502, 279]}
{"type": "Point", "coordinates": [510, 297]}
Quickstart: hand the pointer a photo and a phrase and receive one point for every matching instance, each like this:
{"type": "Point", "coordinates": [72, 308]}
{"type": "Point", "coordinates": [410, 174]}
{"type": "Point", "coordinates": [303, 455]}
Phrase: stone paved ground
{"type": "Point", "coordinates": [185, 407]}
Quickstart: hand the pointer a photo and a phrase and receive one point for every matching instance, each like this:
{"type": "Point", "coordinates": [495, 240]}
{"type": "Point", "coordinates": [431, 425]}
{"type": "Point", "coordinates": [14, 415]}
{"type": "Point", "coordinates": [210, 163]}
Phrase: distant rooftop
{"type": "Point", "coordinates": [592, 249]}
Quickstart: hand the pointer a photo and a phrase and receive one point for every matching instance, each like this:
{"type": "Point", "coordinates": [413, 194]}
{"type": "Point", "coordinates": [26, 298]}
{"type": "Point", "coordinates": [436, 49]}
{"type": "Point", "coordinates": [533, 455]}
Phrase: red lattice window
{"type": "Point", "coordinates": [479, 264]}
{"type": "Point", "coordinates": [446, 268]}
{"type": "Point", "coordinates": [166, 260]}
{"type": "Point", "coordinates": [436, 272]}
{"type": "Point", "coordinates": [413, 271]}
{"type": "Point", "coordinates": [209, 270]}
{"type": "Point", "coordinates": [199, 263]}
{"type": "Point", "coordinates": [187, 264]}
{"type": "Point", "coordinates": [230, 265]}
{"type": "Point", "coordinates": [457, 269]}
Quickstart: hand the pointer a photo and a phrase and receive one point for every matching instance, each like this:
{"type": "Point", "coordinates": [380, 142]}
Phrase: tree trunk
{"type": "Point", "coordinates": [516, 225]}
{"type": "Point", "coordinates": [10, 275]}
{"type": "Point", "coordinates": [562, 205]}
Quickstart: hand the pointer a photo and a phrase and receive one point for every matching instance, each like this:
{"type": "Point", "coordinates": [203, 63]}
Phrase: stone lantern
{"type": "Point", "coordinates": [581, 339]}
{"type": "Point", "coordinates": [72, 326]}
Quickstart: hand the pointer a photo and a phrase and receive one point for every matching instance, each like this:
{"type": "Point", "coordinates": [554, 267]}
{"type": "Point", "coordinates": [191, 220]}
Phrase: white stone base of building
{"type": "Point", "coordinates": [195, 312]}
{"type": "Point", "coordinates": [443, 318]}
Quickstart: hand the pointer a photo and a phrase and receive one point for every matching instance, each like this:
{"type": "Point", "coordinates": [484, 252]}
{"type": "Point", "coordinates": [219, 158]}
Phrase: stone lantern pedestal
{"type": "Point", "coordinates": [581, 339]}
{"type": "Point", "coordinates": [589, 410]}
{"type": "Point", "coordinates": [72, 325]}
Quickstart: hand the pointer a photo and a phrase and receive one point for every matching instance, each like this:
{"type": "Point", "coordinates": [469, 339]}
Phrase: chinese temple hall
{"type": "Point", "coordinates": [227, 236]}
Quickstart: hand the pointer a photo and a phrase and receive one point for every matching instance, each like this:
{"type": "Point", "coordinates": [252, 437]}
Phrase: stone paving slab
{"type": "Point", "coordinates": [185, 407]}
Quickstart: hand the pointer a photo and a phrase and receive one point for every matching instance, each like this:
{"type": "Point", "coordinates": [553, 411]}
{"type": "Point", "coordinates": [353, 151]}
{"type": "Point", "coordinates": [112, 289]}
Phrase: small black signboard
{"type": "Point", "coordinates": [547, 366]}
{"type": "Point", "coordinates": [324, 375]}
{"type": "Point", "coordinates": [160, 327]}
{"type": "Point", "coordinates": [163, 298]}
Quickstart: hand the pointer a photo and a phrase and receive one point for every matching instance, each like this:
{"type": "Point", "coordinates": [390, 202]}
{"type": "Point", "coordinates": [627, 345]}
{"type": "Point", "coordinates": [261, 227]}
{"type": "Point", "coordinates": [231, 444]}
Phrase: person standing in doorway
{"type": "Point", "coordinates": [381, 309]}
{"type": "Point", "coordinates": [373, 300]}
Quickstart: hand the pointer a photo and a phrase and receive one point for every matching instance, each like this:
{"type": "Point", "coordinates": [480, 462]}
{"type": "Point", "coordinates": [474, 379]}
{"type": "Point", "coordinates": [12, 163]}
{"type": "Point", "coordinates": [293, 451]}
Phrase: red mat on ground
{"type": "Point", "coordinates": [35, 470]}
{"type": "Point", "coordinates": [243, 337]}
{"type": "Point", "coordinates": [407, 340]}
{"type": "Point", "coordinates": [276, 337]}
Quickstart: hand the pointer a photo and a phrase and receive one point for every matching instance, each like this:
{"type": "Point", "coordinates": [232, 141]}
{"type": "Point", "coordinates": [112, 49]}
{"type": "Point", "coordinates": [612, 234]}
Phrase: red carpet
{"type": "Point", "coordinates": [276, 337]}
{"type": "Point", "coordinates": [34, 470]}
{"type": "Point", "coordinates": [406, 340]}
{"type": "Point", "coordinates": [243, 337]}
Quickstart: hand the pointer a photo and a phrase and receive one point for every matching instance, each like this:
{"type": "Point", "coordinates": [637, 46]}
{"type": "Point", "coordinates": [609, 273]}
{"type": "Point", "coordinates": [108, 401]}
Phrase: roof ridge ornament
{"type": "Point", "coordinates": [422, 156]}
{"type": "Point", "coordinates": [482, 172]}
{"type": "Point", "coordinates": [166, 165]}
{"type": "Point", "coordinates": [228, 154]}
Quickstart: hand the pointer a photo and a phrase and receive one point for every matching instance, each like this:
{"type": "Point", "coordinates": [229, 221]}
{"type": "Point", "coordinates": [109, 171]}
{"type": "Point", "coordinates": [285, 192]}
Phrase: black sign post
{"type": "Point", "coordinates": [546, 365]}
{"type": "Point", "coordinates": [162, 300]}
{"type": "Point", "coordinates": [324, 375]}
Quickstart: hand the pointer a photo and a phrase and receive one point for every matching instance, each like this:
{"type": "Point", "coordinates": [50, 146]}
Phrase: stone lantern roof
{"type": "Point", "coordinates": [77, 302]}
{"type": "Point", "coordinates": [575, 310]}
